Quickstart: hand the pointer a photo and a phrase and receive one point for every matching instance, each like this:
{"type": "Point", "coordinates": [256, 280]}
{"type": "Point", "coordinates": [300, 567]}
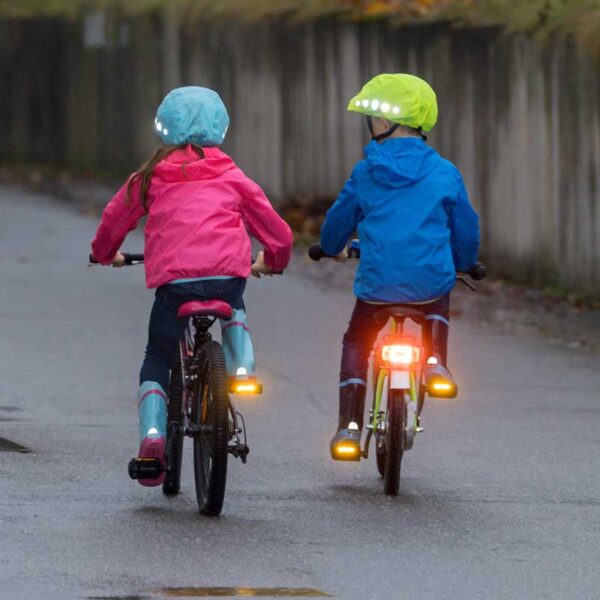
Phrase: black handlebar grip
{"type": "Point", "coordinates": [315, 252]}
{"type": "Point", "coordinates": [131, 258]}
{"type": "Point", "coordinates": [478, 271]}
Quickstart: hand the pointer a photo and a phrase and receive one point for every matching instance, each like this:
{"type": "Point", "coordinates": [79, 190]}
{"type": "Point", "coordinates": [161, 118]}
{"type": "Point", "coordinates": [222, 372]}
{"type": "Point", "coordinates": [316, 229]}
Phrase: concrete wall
{"type": "Point", "coordinates": [521, 121]}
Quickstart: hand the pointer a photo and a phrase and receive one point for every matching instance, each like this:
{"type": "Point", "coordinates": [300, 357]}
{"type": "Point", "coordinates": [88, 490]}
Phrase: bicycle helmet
{"type": "Point", "coordinates": [194, 115]}
{"type": "Point", "coordinates": [400, 98]}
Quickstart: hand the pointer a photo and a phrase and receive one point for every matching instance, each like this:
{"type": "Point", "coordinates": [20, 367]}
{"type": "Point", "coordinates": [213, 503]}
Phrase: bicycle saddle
{"type": "Point", "coordinates": [399, 312]}
{"type": "Point", "coordinates": [205, 308]}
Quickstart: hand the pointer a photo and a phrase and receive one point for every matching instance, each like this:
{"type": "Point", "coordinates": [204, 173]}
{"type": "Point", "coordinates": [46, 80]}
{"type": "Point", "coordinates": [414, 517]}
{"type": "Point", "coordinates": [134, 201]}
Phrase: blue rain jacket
{"type": "Point", "coordinates": [414, 220]}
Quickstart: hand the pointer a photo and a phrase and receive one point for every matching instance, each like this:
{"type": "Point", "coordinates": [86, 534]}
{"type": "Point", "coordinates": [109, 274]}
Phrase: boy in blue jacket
{"type": "Point", "coordinates": [416, 229]}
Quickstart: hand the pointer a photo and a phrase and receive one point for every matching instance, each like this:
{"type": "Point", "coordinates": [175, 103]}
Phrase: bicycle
{"type": "Point", "coordinates": [200, 407]}
{"type": "Point", "coordinates": [399, 387]}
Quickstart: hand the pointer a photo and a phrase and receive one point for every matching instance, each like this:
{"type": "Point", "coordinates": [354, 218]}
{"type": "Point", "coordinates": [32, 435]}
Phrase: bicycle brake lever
{"type": "Point", "coordinates": [468, 284]}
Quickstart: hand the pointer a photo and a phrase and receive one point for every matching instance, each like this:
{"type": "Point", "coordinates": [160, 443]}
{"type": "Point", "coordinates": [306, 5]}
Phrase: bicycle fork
{"type": "Point", "coordinates": [388, 381]}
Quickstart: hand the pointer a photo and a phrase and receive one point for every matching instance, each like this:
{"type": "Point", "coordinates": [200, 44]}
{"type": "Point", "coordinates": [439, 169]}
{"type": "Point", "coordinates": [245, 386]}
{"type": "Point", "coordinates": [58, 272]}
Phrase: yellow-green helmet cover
{"type": "Point", "coordinates": [400, 98]}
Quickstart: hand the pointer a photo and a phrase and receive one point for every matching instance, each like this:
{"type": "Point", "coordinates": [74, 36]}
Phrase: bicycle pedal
{"type": "Point", "coordinates": [145, 468]}
{"type": "Point", "coordinates": [346, 452]}
{"type": "Point", "coordinates": [242, 383]}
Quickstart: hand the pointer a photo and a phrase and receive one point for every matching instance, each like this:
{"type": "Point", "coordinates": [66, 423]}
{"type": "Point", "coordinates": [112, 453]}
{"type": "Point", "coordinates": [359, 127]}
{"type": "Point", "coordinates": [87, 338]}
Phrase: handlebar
{"type": "Point", "coordinates": [315, 252]}
{"type": "Point", "coordinates": [130, 259]}
{"type": "Point", "coordinates": [136, 259]}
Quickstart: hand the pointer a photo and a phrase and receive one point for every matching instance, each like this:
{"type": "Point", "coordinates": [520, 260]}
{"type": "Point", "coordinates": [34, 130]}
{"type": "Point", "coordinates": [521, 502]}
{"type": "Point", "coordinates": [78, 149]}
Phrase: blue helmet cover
{"type": "Point", "coordinates": [193, 115]}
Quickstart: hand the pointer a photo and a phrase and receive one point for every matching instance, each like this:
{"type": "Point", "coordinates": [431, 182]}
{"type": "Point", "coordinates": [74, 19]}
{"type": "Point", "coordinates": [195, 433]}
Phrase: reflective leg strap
{"type": "Point", "coordinates": [353, 380]}
{"type": "Point", "coordinates": [437, 318]}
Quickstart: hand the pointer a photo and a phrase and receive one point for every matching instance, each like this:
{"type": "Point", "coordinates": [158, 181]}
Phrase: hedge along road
{"type": "Point", "coordinates": [500, 496]}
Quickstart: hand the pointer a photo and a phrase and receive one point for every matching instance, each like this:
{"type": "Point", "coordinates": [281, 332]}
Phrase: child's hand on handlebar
{"type": "Point", "coordinates": [342, 256]}
{"type": "Point", "coordinates": [259, 267]}
{"type": "Point", "coordinates": [118, 260]}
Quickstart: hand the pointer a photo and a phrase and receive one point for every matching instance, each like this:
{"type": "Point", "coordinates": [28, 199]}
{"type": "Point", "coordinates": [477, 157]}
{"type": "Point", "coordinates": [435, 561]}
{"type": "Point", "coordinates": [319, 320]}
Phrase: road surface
{"type": "Point", "coordinates": [500, 497]}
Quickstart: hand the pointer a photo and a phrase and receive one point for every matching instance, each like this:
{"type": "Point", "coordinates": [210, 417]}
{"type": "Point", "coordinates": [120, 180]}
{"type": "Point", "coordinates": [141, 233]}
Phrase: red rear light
{"type": "Point", "coordinates": [400, 351]}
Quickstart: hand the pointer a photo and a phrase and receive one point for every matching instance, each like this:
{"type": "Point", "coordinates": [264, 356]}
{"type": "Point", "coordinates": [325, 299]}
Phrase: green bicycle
{"type": "Point", "coordinates": [398, 375]}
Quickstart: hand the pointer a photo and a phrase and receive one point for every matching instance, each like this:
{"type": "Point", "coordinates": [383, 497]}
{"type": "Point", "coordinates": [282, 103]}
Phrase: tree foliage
{"type": "Point", "coordinates": [538, 17]}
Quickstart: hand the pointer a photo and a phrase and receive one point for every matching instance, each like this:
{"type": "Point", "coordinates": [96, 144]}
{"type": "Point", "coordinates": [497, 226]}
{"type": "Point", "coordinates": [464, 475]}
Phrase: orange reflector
{"type": "Point", "coordinates": [442, 387]}
{"type": "Point", "coordinates": [346, 451]}
{"type": "Point", "coordinates": [245, 387]}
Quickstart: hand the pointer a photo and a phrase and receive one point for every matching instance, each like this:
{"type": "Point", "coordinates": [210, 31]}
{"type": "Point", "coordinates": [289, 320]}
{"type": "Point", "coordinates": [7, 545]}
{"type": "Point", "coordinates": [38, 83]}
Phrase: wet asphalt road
{"type": "Point", "coordinates": [500, 497]}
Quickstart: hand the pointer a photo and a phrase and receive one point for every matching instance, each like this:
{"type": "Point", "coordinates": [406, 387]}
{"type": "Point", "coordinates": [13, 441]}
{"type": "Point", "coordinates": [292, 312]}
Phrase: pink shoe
{"type": "Point", "coordinates": [153, 448]}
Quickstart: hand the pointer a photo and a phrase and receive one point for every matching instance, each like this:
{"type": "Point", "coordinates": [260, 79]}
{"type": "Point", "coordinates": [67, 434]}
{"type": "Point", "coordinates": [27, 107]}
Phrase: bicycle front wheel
{"type": "Point", "coordinates": [394, 441]}
{"type": "Point", "coordinates": [210, 416]}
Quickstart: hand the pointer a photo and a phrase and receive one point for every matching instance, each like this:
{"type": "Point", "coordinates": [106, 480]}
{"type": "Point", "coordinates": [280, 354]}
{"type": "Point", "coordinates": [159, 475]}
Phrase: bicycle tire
{"type": "Point", "coordinates": [210, 407]}
{"type": "Point", "coordinates": [379, 437]}
{"type": "Point", "coordinates": [394, 442]}
{"type": "Point", "coordinates": [172, 481]}
{"type": "Point", "coordinates": [380, 459]}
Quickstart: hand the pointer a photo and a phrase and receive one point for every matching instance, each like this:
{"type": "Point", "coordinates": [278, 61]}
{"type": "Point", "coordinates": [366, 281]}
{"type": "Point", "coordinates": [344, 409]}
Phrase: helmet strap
{"type": "Point", "coordinates": [419, 130]}
{"type": "Point", "coordinates": [383, 135]}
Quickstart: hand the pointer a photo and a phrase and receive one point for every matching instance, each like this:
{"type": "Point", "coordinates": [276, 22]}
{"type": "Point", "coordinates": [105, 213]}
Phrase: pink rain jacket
{"type": "Point", "coordinates": [198, 214]}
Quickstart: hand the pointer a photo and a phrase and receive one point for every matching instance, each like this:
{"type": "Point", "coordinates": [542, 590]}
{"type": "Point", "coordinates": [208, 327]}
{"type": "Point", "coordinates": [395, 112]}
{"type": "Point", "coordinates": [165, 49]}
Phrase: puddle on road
{"type": "Point", "coordinates": [8, 446]}
{"type": "Point", "coordinates": [118, 598]}
{"type": "Point", "coordinates": [224, 592]}
{"type": "Point", "coordinates": [240, 592]}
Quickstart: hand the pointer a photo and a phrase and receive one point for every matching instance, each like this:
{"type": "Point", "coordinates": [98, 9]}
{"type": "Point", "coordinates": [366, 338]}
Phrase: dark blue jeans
{"type": "Point", "coordinates": [363, 330]}
{"type": "Point", "coordinates": [165, 328]}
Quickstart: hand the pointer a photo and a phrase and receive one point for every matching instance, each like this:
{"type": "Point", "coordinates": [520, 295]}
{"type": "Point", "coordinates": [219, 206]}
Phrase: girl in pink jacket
{"type": "Point", "coordinates": [199, 208]}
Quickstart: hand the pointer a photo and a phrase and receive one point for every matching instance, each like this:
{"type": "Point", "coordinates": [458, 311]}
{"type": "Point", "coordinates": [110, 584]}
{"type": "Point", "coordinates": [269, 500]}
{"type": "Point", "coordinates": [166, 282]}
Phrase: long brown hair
{"type": "Point", "coordinates": [144, 174]}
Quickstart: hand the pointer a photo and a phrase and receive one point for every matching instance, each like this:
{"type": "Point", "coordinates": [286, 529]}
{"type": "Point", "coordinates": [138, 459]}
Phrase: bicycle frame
{"type": "Point", "coordinates": [195, 335]}
{"type": "Point", "coordinates": [388, 378]}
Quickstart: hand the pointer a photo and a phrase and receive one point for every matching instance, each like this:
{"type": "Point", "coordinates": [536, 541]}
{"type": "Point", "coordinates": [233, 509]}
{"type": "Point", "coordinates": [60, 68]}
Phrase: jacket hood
{"type": "Point", "coordinates": [185, 165]}
{"type": "Point", "coordinates": [399, 162]}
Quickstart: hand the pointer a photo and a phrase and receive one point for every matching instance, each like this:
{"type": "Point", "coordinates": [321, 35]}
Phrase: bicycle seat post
{"type": "Point", "coordinates": [399, 324]}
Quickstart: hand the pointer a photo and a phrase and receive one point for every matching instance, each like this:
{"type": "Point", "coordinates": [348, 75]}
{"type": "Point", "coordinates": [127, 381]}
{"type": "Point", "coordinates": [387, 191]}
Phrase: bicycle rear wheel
{"type": "Point", "coordinates": [172, 481]}
{"type": "Point", "coordinates": [394, 441]}
{"type": "Point", "coordinates": [210, 414]}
